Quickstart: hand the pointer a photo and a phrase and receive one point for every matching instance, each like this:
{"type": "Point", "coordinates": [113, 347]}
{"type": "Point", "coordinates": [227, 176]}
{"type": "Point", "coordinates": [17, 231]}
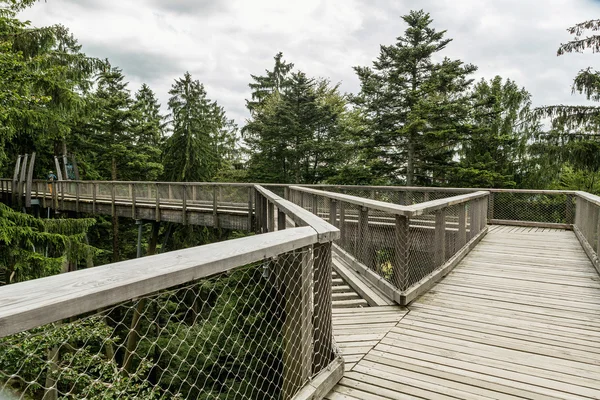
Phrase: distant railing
{"type": "Point", "coordinates": [402, 250]}
{"type": "Point", "coordinates": [247, 318]}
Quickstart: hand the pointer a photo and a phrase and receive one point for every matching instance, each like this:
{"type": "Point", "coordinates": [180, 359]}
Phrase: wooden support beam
{"type": "Point", "coordinates": [342, 223]}
{"type": "Point", "coordinates": [401, 252]}
{"type": "Point", "coordinates": [281, 220]}
{"type": "Point", "coordinates": [112, 198]}
{"type": "Point", "coordinates": [250, 209]}
{"type": "Point", "coordinates": [440, 237]}
{"type": "Point", "coordinates": [29, 181]}
{"type": "Point", "coordinates": [21, 184]}
{"type": "Point", "coordinates": [322, 315]}
{"type": "Point", "coordinates": [184, 206]}
{"type": "Point", "coordinates": [333, 212]}
{"type": "Point", "coordinates": [77, 196]}
{"type": "Point", "coordinates": [65, 163]}
{"type": "Point", "coordinates": [462, 226]}
{"type": "Point", "coordinates": [215, 208]}
{"type": "Point", "coordinates": [133, 200]}
{"type": "Point", "coordinates": [315, 204]}
{"type": "Point", "coordinates": [94, 194]}
{"type": "Point", "coordinates": [298, 324]}
{"type": "Point", "coordinates": [271, 217]}
{"type": "Point", "coordinates": [490, 213]}
{"type": "Point", "coordinates": [58, 171]}
{"type": "Point", "coordinates": [363, 237]}
{"type": "Point", "coordinates": [15, 179]}
{"type": "Point", "coordinates": [157, 215]}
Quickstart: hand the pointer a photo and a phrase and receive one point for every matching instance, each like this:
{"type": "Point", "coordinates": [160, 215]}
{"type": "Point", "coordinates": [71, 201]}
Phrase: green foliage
{"type": "Point", "coordinates": [416, 109]}
{"type": "Point", "coordinates": [33, 248]}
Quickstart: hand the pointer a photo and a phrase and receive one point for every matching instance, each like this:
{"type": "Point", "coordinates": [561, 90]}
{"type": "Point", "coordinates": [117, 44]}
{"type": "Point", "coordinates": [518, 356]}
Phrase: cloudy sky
{"type": "Point", "coordinates": [222, 42]}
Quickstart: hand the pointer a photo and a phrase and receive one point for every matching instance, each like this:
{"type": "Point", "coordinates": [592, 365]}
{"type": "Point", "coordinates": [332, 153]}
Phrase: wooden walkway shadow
{"type": "Point", "coordinates": [518, 318]}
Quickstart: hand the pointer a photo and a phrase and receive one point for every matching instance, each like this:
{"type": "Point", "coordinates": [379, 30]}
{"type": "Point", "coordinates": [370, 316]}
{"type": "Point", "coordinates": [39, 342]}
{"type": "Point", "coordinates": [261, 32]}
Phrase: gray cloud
{"type": "Point", "coordinates": [222, 42]}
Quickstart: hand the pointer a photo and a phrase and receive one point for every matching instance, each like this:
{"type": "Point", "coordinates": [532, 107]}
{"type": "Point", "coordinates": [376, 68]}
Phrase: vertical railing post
{"type": "Point", "coordinates": [250, 209]}
{"type": "Point", "coordinates": [473, 219]}
{"type": "Point", "coordinates": [170, 192]}
{"type": "Point", "coordinates": [333, 212]}
{"type": "Point", "coordinates": [490, 213]}
{"type": "Point", "coordinates": [315, 204]}
{"type": "Point", "coordinates": [462, 226]}
{"type": "Point", "coordinates": [597, 231]}
{"type": "Point", "coordinates": [215, 207]}
{"type": "Point", "coordinates": [298, 325]}
{"type": "Point", "coordinates": [484, 214]}
{"type": "Point", "coordinates": [77, 196]}
{"type": "Point", "coordinates": [322, 316]}
{"type": "Point", "coordinates": [281, 220]}
{"type": "Point", "coordinates": [112, 199]}
{"type": "Point", "coordinates": [401, 252]}
{"type": "Point", "coordinates": [44, 194]}
{"type": "Point", "coordinates": [157, 215]}
{"type": "Point", "coordinates": [271, 216]}
{"type": "Point", "coordinates": [94, 189]}
{"type": "Point", "coordinates": [257, 211]}
{"type": "Point", "coordinates": [440, 237]}
{"type": "Point", "coordinates": [342, 224]}
{"type": "Point", "coordinates": [184, 205]}
{"type": "Point", "coordinates": [569, 212]}
{"type": "Point", "coordinates": [363, 234]}
{"type": "Point", "coordinates": [286, 193]}
{"type": "Point", "coordinates": [133, 200]}
{"type": "Point", "coordinates": [264, 212]}
{"type": "Point", "coordinates": [63, 186]}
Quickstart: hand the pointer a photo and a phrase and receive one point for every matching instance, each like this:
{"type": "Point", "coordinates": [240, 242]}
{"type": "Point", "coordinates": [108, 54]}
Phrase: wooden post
{"type": "Point", "coordinates": [322, 315]}
{"type": "Point", "coordinates": [298, 326]}
{"type": "Point", "coordinates": [215, 208]}
{"type": "Point", "coordinates": [402, 198]}
{"type": "Point", "coordinates": [462, 226]}
{"type": "Point", "coordinates": [264, 212]}
{"type": "Point", "coordinates": [62, 195]}
{"type": "Point", "coordinates": [401, 252]}
{"type": "Point", "coordinates": [440, 237]}
{"type": "Point", "coordinates": [491, 206]}
{"type": "Point", "coordinates": [113, 210]}
{"type": "Point", "coordinates": [75, 167]}
{"type": "Point", "coordinates": [65, 162]}
{"type": "Point", "coordinates": [315, 204]}
{"type": "Point", "coordinates": [21, 185]}
{"type": "Point", "coordinates": [250, 209]}
{"type": "Point", "coordinates": [271, 217]}
{"type": "Point", "coordinates": [598, 231]}
{"type": "Point", "coordinates": [425, 196]}
{"type": "Point", "coordinates": [170, 192]}
{"type": "Point", "coordinates": [286, 193]}
{"type": "Point", "coordinates": [15, 179]}
{"type": "Point", "coordinates": [281, 220]}
{"type": "Point", "coordinates": [363, 234]}
{"type": "Point", "coordinates": [184, 205]}
{"type": "Point", "coordinates": [342, 224]}
{"type": "Point", "coordinates": [44, 195]}
{"type": "Point", "coordinates": [474, 219]}
{"type": "Point", "coordinates": [569, 214]}
{"type": "Point", "coordinates": [58, 171]}
{"type": "Point", "coordinates": [133, 199]}
{"type": "Point", "coordinates": [157, 207]}
{"type": "Point", "coordinates": [333, 212]}
{"type": "Point", "coordinates": [194, 194]}
{"type": "Point", "coordinates": [94, 194]}
{"type": "Point", "coordinates": [29, 181]}
{"type": "Point", "coordinates": [77, 197]}
{"type": "Point", "coordinates": [483, 214]}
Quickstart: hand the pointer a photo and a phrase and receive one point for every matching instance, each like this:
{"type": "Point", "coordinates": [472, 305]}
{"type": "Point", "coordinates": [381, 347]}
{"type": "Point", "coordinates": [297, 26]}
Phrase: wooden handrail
{"type": "Point", "coordinates": [30, 304]}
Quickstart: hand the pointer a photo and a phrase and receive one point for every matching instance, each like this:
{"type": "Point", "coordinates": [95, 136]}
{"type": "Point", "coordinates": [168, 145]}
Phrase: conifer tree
{"type": "Point", "coordinates": [273, 82]}
{"type": "Point", "coordinates": [415, 107]}
{"type": "Point", "coordinates": [190, 154]}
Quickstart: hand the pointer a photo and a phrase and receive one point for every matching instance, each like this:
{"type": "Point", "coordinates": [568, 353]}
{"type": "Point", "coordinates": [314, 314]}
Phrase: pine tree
{"type": "Point", "coordinates": [190, 154]}
{"type": "Point", "coordinates": [415, 107]}
{"type": "Point", "coordinates": [273, 82]}
{"type": "Point", "coordinates": [494, 154]}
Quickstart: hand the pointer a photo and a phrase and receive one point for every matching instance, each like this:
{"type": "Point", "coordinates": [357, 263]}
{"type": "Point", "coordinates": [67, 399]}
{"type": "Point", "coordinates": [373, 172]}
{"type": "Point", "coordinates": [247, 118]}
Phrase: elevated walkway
{"type": "Point", "coordinates": [519, 317]}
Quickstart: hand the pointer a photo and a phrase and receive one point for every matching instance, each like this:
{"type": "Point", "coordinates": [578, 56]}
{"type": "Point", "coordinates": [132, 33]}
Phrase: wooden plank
{"type": "Point", "coordinates": [29, 181]}
{"type": "Point", "coordinates": [27, 305]}
{"type": "Point", "coordinates": [401, 252]}
{"type": "Point", "coordinates": [320, 385]}
{"type": "Point", "coordinates": [440, 237]}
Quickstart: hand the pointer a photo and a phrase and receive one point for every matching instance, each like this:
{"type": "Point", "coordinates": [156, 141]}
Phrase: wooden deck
{"type": "Point", "coordinates": [518, 318]}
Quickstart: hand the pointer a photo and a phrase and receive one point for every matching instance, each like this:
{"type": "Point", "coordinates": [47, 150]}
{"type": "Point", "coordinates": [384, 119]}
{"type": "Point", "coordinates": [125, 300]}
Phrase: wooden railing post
{"type": "Point", "coordinates": [184, 205]}
{"type": "Point", "coordinates": [473, 219]}
{"type": "Point", "coordinates": [342, 224]}
{"type": "Point", "coordinates": [21, 189]}
{"type": "Point", "coordinates": [401, 252]}
{"type": "Point", "coordinates": [298, 326]}
{"type": "Point", "coordinates": [29, 183]}
{"type": "Point", "coordinates": [250, 209]}
{"type": "Point", "coordinates": [63, 186]}
{"type": "Point", "coordinates": [271, 216]}
{"type": "Point", "coordinates": [569, 211]}
{"type": "Point", "coordinates": [15, 180]}
{"type": "Point", "coordinates": [315, 204]}
{"type": "Point", "coordinates": [322, 316]}
{"type": "Point", "coordinates": [490, 213]}
{"type": "Point", "coordinates": [94, 189]}
{"type": "Point", "coordinates": [215, 207]}
{"type": "Point", "coordinates": [281, 220]}
{"type": "Point", "coordinates": [440, 237]}
{"type": "Point", "coordinates": [333, 212]}
{"type": "Point", "coordinates": [133, 199]}
{"type": "Point", "coordinates": [157, 215]}
{"type": "Point", "coordinates": [462, 226]}
{"type": "Point", "coordinates": [113, 194]}
{"type": "Point", "coordinates": [77, 196]}
{"type": "Point", "coordinates": [363, 234]}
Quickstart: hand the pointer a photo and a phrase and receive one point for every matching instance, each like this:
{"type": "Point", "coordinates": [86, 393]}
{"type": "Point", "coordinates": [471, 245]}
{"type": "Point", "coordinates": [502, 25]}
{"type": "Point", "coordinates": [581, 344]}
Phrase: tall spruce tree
{"type": "Point", "coordinates": [190, 154]}
{"type": "Point", "coordinates": [148, 135]}
{"type": "Point", "coordinates": [273, 82]}
{"type": "Point", "coordinates": [416, 108]}
{"type": "Point", "coordinates": [494, 154]}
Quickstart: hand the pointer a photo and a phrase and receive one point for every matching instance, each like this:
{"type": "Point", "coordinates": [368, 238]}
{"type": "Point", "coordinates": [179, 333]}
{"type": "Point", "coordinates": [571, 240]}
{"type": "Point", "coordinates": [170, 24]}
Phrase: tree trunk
{"type": "Point", "coordinates": [50, 392]}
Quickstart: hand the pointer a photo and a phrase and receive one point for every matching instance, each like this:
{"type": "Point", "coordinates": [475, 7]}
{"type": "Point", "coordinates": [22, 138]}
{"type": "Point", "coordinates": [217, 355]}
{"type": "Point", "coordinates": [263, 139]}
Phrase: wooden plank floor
{"type": "Point", "coordinates": [518, 318]}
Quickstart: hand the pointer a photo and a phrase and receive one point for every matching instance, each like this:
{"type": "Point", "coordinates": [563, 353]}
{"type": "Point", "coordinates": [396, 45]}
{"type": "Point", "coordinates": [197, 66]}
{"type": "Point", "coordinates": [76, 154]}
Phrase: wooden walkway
{"type": "Point", "coordinates": [518, 318]}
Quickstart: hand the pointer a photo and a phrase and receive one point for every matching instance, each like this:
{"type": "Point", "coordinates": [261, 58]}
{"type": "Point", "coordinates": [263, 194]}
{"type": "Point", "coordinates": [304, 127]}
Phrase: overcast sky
{"type": "Point", "coordinates": [222, 42]}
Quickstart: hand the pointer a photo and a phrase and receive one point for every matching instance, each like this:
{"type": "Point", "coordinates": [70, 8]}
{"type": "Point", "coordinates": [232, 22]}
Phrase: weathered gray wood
{"type": "Point", "coordinates": [94, 195]}
{"type": "Point", "coordinates": [27, 305]}
{"type": "Point", "coordinates": [322, 384]}
{"type": "Point", "coordinates": [342, 223]}
{"type": "Point", "coordinates": [440, 237]}
{"type": "Point", "coordinates": [75, 167]}
{"type": "Point", "coordinates": [184, 207]}
{"type": "Point", "coordinates": [333, 212]}
{"type": "Point", "coordinates": [250, 208]}
{"type": "Point", "coordinates": [322, 322]}
{"type": "Point", "coordinates": [462, 226]}
{"type": "Point", "coordinates": [550, 225]}
{"type": "Point", "coordinates": [281, 220]}
{"type": "Point", "coordinates": [215, 207]}
{"type": "Point", "coordinates": [315, 204]}
{"type": "Point", "coordinates": [29, 181]}
{"type": "Point", "coordinates": [65, 163]}
{"type": "Point", "coordinates": [491, 206]}
{"type": "Point", "coordinates": [587, 248]}
{"type": "Point", "coordinates": [133, 200]}
{"type": "Point", "coordinates": [21, 184]}
{"type": "Point", "coordinates": [363, 237]}
{"type": "Point", "coordinates": [77, 197]}
{"type": "Point", "coordinates": [59, 174]}
{"type": "Point", "coordinates": [297, 327]}
{"type": "Point", "coordinates": [112, 199]}
{"type": "Point", "coordinates": [271, 216]}
{"type": "Point", "coordinates": [401, 251]}
{"type": "Point", "coordinates": [157, 212]}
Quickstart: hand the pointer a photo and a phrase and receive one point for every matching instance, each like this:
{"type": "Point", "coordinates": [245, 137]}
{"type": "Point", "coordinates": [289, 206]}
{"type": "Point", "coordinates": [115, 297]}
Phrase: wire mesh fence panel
{"type": "Point", "coordinates": [260, 331]}
{"type": "Point", "coordinates": [232, 196]}
{"type": "Point", "coordinates": [535, 207]}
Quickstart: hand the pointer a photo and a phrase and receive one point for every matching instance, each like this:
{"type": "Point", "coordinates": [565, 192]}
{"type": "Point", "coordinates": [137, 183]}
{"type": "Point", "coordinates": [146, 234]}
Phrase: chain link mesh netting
{"type": "Point", "coordinates": [258, 332]}
{"type": "Point", "coordinates": [536, 207]}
